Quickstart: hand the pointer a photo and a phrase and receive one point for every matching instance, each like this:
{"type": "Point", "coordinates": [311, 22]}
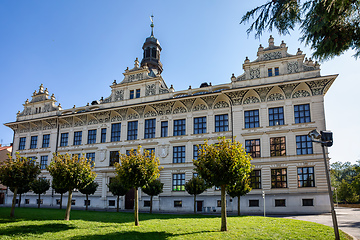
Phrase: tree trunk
{"type": "Point", "coordinates": [12, 213]}
{"type": "Point", "coordinates": [151, 198]}
{"type": "Point", "coordinates": [117, 203]}
{"type": "Point", "coordinates": [136, 210]}
{"type": "Point", "coordinates": [61, 200]}
{"type": "Point", "coordinates": [87, 202]}
{"type": "Point", "coordinates": [223, 209]}
{"type": "Point", "coordinates": [238, 205]}
{"type": "Point", "coordinates": [68, 207]}
{"type": "Point", "coordinates": [39, 201]}
{"type": "Point", "coordinates": [194, 203]}
{"type": "Point", "coordinates": [19, 200]}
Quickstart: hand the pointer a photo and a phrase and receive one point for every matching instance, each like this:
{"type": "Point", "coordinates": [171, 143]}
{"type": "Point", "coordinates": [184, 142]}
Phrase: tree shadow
{"type": "Point", "coordinates": [14, 231]}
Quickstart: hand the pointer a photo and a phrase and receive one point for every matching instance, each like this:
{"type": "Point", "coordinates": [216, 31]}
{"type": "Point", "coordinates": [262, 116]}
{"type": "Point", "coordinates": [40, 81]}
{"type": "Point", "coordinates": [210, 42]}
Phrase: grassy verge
{"type": "Point", "coordinates": [47, 224]}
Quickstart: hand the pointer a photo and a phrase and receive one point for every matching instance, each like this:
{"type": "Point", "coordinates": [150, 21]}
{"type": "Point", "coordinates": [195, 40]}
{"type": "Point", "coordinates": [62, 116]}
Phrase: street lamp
{"type": "Point", "coordinates": [326, 139]}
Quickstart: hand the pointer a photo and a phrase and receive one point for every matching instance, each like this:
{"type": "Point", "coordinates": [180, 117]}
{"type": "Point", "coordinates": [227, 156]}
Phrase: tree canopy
{"type": "Point", "coordinates": [117, 188]}
{"type": "Point", "coordinates": [59, 190]}
{"type": "Point", "coordinates": [88, 190]}
{"type": "Point", "coordinates": [17, 172]}
{"type": "Point", "coordinates": [330, 27]}
{"type": "Point", "coordinates": [195, 186]}
{"type": "Point", "coordinates": [40, 186]}
{"type": "Point", "coordinates": [241, 188]}
{"type": "Point", "coordinates": [153, 188]}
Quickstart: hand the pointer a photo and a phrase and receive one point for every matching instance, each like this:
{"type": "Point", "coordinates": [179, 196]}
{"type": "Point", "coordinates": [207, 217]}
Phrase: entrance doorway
{"type": "Point", "coordinates": [129, 199]}
{"type": "Point", "coordinates": [199, 205]}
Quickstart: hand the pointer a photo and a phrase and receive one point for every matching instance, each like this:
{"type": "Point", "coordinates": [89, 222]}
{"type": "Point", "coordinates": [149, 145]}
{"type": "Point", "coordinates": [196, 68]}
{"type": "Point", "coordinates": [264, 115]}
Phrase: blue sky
{"type": "Point", "coordinates": [77, 48]}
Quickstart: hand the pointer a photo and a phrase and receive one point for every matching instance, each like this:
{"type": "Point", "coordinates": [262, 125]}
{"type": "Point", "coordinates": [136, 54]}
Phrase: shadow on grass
{"type": "Point", "coordinates": [14, 231]}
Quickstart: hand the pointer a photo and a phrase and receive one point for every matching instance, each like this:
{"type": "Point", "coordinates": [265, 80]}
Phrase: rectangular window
{"type": "Point", "coordinates": [164, 129]}
{"type": "Point", "coordinates": [22, 143]}
{"type": "Point", "coordinates": [179, 154]}
{"type": "Point", "coordinates": [270, 73]}
{"type": "Point", "coordinates": [178, 182]}
{"type": "Point", "coordinates": [179, 127]}
{"type": "Point", "coordinates": [199, 125]}
{"type": "Point", "coordinates": [64, 138]}
{"type": "Point", "coordinates": [46, 141]}
{"type": "Point", "coordinates": [177, 203]}
{"type": "Point", "coordinates": [307, 202]}
{"type": "Point", "coordinates": [280, 203]}
{"type": "Point", "coordinates": [303, 145]}
{"type": "Point", "coordinates": [276, 116]}
{"type": "Point", "coordinates": [132, 130]}
{"type": "Point", "coordinates": [277, 146]}
{"type": "Point", "coordinates": [149, 128]}
{"type": "Point", "coordinates": [32, 159]}
{"type": "Point", "coordinates": [86, 202]}
{"type": "Point", "coordinates": [77, 138]}
{"type": "Point", "coordinates": [196, 152]}
{"type": "Point", "coordinates": [276, 71]}
{"type": "Point", "coordinates": [151, 150]}
{"type": "Point", "coordinates": [33, 142]}
{"type": "Point", "coordinates": [114, 157]}
{"type": "Point", "coordinates": [91, 136]}
{"type": "Point", "coordinates": [253, 203]}
{"type": "Point", "coordinates": [302, 113]}
{"type": "Point", "coordinates": [73, 201]}
{"type": "Point", "coordinates": [252, 118]}
{"type": "Point", "coordinates": [111, 203]}
{"type": "Point", "coordinates": [41, 201]}
{"type": "Point", "coordinates": [115, 132]}
{"type": "Point", "coordinates": [221, 123]}
{"type": "Point", "coordinates": [131, 94]}
{"type": "Point", "coordinates": [255, 179]}
{"type": "Point", "coordinates": [43, 162]}
{"type": "Point", "coordinates": [253, 147]}
{"type": "Point", "coordinates": [278, 178]}
{"type": "Point", "coordinates": [137, 93]}
{"type": "Point", "coordinates": [218, 203]}
{"type": "Point", "coordinates": [91, 156]}
{"type": "Point", "coordinates": [103, 135]}
{"type": "Point", "coordinates": [27, 201]}
{"type": "Point", "coordinates": [57, 201]}
{"type": "Point", "coordinates": [146, 203]}
{"type": "Point", "coordinates": [306, 177]}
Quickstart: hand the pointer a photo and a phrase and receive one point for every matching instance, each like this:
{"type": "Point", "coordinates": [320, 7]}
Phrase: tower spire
{"type": "Point", "coordinates": [152, 25]}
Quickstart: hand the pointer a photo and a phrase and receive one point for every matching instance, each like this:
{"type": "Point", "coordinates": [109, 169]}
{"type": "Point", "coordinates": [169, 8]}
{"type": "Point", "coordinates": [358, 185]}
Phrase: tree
{"type": "Point", "coordinates": [17, 172]}
{"type": "Point", "coordinates": [223, 164]}
{"type": "Point", "coordinates": [21, 190]}
{"type": "Point", "coordinates": [71, 172]}
{"type": "Point", "coordinates": [137, 170]}
{"type": "Point", "coordinates": [330, 27]}
{"type": "Point", "coordinates": [195, 186]}
{"type": "Point", "coordinates": [117, 188]}
{"type": "Point", "coordinates": [346, 192]}
{"type": "Point", "coordinates": [153, 188]}
{"type": "Point", "coordinates": [240, 188]}
{"type": "Point", "coordinates": [88, 190]}
{"type": "Point", "coordinates": [59, 190]}
{"type": "Point", "coordinates": [40, 186]}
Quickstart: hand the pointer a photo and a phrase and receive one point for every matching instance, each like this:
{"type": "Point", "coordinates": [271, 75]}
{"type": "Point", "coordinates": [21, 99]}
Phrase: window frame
{"type": "Point", "coordinates": [276, 115]}
{"type": "Point", "coordinates": [252, 118]}
{"type": "Point", "coordinates": [179, 127]}
{"type": "Point", "coordinates": [309, 180]}
{"type": "Point", "coordinates": [304, 145]}
{"type": "Point", "coordinates": [43, 162]}
{"type": "Point", "coordinates": [45, 141]}
{"type": "Point", "coordinates": [150, 128]}
{"type": "Point", "coordinates": [179, 154]}
{"type": "Point", "coordinates": [132, 94]}
{"type": "Point", "coordinates": [199, 125]}
{"type": "Point", "coordinates": [255, 180]}
{"type": "Point", "coordinates": [300, 113]}
{"type": "Point", "coordinates": [33, 142]}
{"type": "Point", "coordinates": [277, 146]}
{"type": "Point", "coordinates": [178, 184]}
{"type": "Point", "coordinates": [103, 135]}
{"type": "Point", "coordinates": [77, 138]}
{"type": "Point", "coordinates": [132, 130]}
{"type": "Point", "coordinates": [114, 157]}
{"type": "Point", "coordinates": [222, 123]}
{"type": "Point", "coordinates": [253, 149]}
{"type": "Point", "coordinates": [91, 139]}
{"type": "Point", "coordinates": [22, 143]}
{"type": "Point", "coordinates": [279, 178]}
{"type": "Point", "coordinates": [115, 132]}
{"type": "Point", "coordinates": [64, 139]}
{"type": "Point", "coordinates": [164, 129]}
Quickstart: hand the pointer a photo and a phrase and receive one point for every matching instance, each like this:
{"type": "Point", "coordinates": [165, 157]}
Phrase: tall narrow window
{"type": "Point", "coordinates": [77, 138]}
{"type": "Point", "coordinates": [276, 71]}
{"type": "Point", "coordinates": [91, 136]}
{"type": "Point", "coordinates": [33, 142]}
{"type": "Point", "coordinates": [43, 162]}
{"type": "Point", "coordinates": [221, 123]}
{"type": "Point", "coordinates": [195, 152]}
{"type": "Point", "coordinates": [131, 94]}
{"type": "Point", "coordinates": [302, 113]}
{"type": "Point", "coordinates": [276, 116]}
{"type": "Point", "coordinates": [164, 128]}
{"type": "Point", "coordinates": [91, 157]}
{"type": "Point", "coordinates": [114, 157]}
{"type": "Point", "coordinates": [22, 143]}
{"type": "Point", "coordinates": [270, 72]}
{"type": "Point", "coordinates": [199, 125]}
{"type": "Point", "coordinates": [103, 135]}
{"type": "Point", "coordinates": [306, 177]}
{"type": "Point", "coordinates": [252, 118]}
{"type": "Point", "coordinates": [137, 93]}
{"type": "Point", "coordinates": [179, 154]}
{"type": "Point", "coordinates": [46, 141]}
{"type": "Point", "coordinates": [303, 145]}
{"type": "Point", "coordinates": [179, 127]}
{"type": "Point", "coordinates": [149, 128]}
{"type": "Point", "coordinates": [253, 147]}
{"type": "Point", "coordinates": [277, 146]}
{"type": "Point", "coordinates": [115, 132]}
{"type": "Point", "coordinates": [132, 130]}
{"type": "Point", "coordinates": [178, 182]}
{"type": "Point", "coordinates": [64, 139]}
{"type": "Point", "coordinates": [278, 178]}
{"type": "Point", "coordinates": [255, 178]}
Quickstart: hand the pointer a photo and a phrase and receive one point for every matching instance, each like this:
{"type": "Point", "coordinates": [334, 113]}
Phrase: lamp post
{"type": "Point", "coordinates": [263, 195]}
{"type": "Point", "coordinates": [326, 139]}
{"type": "Point", "coordinates": [337, 202]}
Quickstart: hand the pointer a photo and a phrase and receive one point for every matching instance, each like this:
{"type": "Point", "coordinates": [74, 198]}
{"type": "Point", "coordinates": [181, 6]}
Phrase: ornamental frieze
{"type": "Point", "coordinates": [251, 99]}
{"type": "Point", "coordinates": [163, 90]}
{"type": "Point", "coordinates": [150, 114]}
{"type": "Point", "coordinates": [122, 112]}
{"type": "Point", "coordinates": [119, 95]}
{"type": "Point", "coordinates": [209, 100]}
{"type": "Point", "coordinates": [288, 89]}
{"type": "Point", "coordinates": [221, 104]}
{"type": "Point", "coordinates": [263, 92]}
{"type": "Point", "coordinates": [275, 97]}
{"type": "Point", "coordinates": [132, 116]}
{"type": "Point", "coordinates": [292, 67]}
{"type": "Point", "coordinates": [188, 103]}
{"type": "Point", "coordinates": [317, 87]}
{"type": "Point", "coordinates": [150, 90]}
{"type": "Point", "coordinates": [271, 56]}
{"type": "Point", "coordinates": [199, 107]}
{"type": "Point", "coordinates": [179, 110]}
{"type": "Point", "coordinates": [140, 110]}
{"type": "Point", "coordinates": [236, 97]}
{"type": "Point", "coordinates": [49, 124]}
{"type": "Point", "coordinates": [254, 73]}
{"type": "Point", "coordinates": [36, 126]}
{"type": "Point", "coordinates": [301, 93]}
{"type": "Point", "coordinates": [163, 108]}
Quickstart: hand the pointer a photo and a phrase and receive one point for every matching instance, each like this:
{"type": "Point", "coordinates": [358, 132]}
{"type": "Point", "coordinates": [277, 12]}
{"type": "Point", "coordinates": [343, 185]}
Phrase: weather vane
{"type": "Point", "coordinates": [152, 25]}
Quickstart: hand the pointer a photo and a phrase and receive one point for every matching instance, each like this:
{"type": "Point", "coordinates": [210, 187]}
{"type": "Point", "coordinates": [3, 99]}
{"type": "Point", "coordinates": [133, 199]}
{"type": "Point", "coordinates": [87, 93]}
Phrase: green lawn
{"type": "Point", "coordinates": [33, 223]}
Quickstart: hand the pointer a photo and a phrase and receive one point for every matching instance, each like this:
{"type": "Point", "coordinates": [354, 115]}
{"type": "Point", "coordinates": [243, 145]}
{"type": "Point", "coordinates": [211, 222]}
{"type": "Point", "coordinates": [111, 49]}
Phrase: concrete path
{"type": "Point", "coordinates": [348, 220]}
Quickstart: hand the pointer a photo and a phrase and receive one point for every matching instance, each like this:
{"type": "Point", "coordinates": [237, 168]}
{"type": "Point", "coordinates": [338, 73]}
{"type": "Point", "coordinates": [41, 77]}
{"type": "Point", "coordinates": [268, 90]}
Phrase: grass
{"type": "Point", "coordinates": [32, 223]}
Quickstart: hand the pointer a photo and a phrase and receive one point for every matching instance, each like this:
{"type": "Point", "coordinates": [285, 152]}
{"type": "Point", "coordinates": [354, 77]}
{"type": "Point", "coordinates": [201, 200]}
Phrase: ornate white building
{"type": "Point", "coordinates": [270, 108]}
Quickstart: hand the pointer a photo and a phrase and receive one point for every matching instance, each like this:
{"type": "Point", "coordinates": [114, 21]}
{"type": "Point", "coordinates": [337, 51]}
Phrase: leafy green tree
{"type": "Point", "coordinates": [59, 190]}
{"type": "Point", "coordinates": [17, 172]}
{"type": "Point", "coordinates": [195, 186]}
{"type": "Point", "coordinates": [71, 172]}
{"type": "Point", "coordinates": [137, 170]}
{"type": "Point", "coordinates": [21, 190]}
{"type": "Point", "coordinates": [117, 188]}
{"type": "Point", "coordinates": [346, 193]}
{"type": "Point", "coordinates": [342, 171]}
{"type": "Point", "coordinates": [153, 188]}
{"type": "Point", "coordinates": [40, 186]}
{"type": "Point", "coordinates": [88, 190]}
{"type": "Point", "coordinates": [356, 182]}
{"type": "Point", "coordinates": [240, 188]}
{"type": "Point", "coordinates": [329, 27]}
{"type": "Point", "coordinates": [223, 164]}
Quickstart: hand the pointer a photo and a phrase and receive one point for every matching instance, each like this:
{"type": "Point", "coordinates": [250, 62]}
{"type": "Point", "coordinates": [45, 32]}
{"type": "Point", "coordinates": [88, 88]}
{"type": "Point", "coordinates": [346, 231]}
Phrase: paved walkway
{"type": "Point", "coordinates": [348, 220]}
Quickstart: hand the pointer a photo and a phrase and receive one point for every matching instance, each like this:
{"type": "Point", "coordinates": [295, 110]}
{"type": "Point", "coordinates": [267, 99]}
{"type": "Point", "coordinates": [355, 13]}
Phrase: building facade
{"type": "Point", "coordinates": [270, 108]}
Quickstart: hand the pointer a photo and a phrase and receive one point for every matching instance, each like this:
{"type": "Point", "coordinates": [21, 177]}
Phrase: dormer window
{"type": "Point", "coordinates": [276, 71]}
{"type": "Point", "coordinates": [131, 94]}
{"type": "Point", "coordinates": [137, 93]}
{"type": "Point", "coordinates": [270, 72]}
